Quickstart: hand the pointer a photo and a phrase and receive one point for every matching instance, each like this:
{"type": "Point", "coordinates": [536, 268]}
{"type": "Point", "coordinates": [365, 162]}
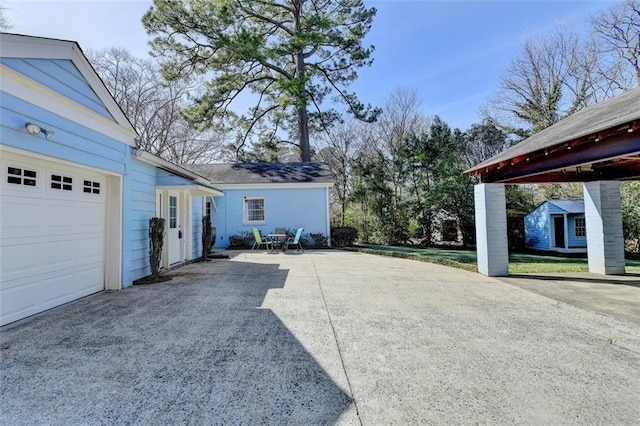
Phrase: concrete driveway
{"type": "Point", "coordinates": [324, 337]}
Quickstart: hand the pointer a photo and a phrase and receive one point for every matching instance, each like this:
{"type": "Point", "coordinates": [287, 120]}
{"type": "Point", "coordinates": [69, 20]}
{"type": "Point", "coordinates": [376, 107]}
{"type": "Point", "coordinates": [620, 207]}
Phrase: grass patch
{"type": "Point", "coordinates": [519, 263]}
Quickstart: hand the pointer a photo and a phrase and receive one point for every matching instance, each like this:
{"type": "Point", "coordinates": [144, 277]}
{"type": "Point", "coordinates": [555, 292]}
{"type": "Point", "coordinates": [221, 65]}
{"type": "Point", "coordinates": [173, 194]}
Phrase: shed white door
{"type": "Point", "coordinates": [52, 235]}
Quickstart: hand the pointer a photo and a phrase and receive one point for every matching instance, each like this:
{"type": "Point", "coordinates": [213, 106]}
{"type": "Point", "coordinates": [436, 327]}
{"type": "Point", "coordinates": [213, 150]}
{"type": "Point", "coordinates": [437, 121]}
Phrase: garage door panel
{"type": "Point", "coordinates": [26, 215]}
{"type": "Point", "coordinates": [18, 302]}
{"type": "Point", "coordinates": [52, 242]}
{"type": "Point", "coordinates": [92, 248]}
{"type": "Point", "coordinates": [19, 261]}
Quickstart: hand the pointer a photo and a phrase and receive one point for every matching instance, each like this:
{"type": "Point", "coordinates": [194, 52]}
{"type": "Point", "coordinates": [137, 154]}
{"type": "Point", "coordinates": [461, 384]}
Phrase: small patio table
{"type": "Point", "coordinates": [277, 238]}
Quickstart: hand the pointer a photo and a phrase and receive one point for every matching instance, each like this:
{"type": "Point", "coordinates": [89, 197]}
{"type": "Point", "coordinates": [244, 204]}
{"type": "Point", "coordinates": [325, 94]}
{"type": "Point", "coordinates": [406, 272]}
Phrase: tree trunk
{"type": "Point", "coordinates": [303, 132]}
{"type": "Point", "coordinates": [303, 115]}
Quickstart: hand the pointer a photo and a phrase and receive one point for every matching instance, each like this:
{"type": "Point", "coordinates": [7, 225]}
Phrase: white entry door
{"type": "Point", "coordinates": [174, 236]}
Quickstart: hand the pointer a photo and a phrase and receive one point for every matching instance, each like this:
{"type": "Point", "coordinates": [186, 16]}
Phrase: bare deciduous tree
{"type": "Point", "coordinates": [155, 109]}
{"type": "Point", "coordinates": [547, 81]}
{"type": "Point", "coordinates": [617, 31]}
{"type": "Point", "coordinates": [5, 24]}
{"type": "Point", "coordinates": [339, 146]}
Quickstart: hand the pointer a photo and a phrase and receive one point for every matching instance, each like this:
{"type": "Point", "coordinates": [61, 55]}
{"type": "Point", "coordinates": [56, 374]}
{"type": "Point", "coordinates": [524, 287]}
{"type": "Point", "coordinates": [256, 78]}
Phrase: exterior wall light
{"type": "Point", "coordinates": [34, 129]}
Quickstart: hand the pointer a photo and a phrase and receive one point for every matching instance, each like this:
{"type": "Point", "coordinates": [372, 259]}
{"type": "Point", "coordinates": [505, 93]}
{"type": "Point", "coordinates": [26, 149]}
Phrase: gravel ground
{"type": "Point", "coordinates": [324, 337]}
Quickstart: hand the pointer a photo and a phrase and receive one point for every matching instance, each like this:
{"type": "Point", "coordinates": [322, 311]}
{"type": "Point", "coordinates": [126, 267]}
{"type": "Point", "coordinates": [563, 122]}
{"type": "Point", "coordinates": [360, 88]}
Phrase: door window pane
{"type": "Point", "coordinates": [173, 212]}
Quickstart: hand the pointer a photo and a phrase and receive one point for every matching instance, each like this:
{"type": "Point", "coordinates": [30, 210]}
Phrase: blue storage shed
{"type": "Point", "coordinates": [557, 225]}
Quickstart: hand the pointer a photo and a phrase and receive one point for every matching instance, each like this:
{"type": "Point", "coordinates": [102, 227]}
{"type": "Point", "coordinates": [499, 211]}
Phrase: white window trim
{"type": "Point", "coordinates": [245, 220]}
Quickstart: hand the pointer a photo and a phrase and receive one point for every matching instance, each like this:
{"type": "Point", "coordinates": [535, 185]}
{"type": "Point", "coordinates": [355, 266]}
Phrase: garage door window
{"type": "Point", "coordinates": [19, 176]}
{"type": "Point", "coordinates": [64, 183]}
{"type": "Point", "coordinates": [91, 187]}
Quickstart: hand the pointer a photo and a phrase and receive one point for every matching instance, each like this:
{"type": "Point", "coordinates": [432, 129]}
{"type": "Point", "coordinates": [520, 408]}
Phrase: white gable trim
{"type": "Point", "coordinates": [22, 46]}
{"type": "Point", "coordinates": [30, 91]}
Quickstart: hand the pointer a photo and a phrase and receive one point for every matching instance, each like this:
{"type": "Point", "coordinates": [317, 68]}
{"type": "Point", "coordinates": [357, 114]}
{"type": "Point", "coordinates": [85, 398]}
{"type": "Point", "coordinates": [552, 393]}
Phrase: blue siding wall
{"type": "Point", "coordinates": [71, 142]}
{"type": "Point", "coordinates": [196, 229]}
{"type": "Point", "coordinates": [139, 195]}
{"type": "Point", "coordinates": [574, 241]}
{"type": "Point", "coordinates": [61, 76]}
{"type": "Point", "coordinates": [536, 228]}
{"type": "Point", "coordinates": [288, 208]}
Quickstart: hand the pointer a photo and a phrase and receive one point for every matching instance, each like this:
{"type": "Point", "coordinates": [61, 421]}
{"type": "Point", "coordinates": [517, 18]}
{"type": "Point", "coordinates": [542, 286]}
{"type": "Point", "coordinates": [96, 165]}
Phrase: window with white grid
{"type": "Point", "coordinates": [253, 210]}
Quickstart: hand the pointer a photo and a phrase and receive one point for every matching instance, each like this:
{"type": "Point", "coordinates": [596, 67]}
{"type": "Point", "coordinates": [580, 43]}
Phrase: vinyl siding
{"type": "Point", "coordinates": [536, 228]}
{"type": "Point", "coordinates": [196, 227]}
{"type": "Point", "coordinates": [288, 208]}
{"type": "Point", "coordinates": [72, 142]}
{"type": "Point", "coordinates": [139, 206]}
{"type": "Point", "coordinates": [61, 76]}
{"type": "Point", "coordinates": [575, 242]}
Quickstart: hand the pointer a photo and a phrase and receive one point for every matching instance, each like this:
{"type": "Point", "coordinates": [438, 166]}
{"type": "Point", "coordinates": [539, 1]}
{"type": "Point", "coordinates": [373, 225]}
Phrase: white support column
{"type": "Point", "coordinates": [491, 230]}
{"type": "Point", "coordinates": [603, 217]}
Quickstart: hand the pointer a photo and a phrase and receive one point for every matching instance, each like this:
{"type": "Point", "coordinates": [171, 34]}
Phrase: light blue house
{"type": "Point", "coordinates": [268, 196]}
{"type": "Point", "coordinates": [75, 195]}
{"type": "Point", "coordinates": [557, 225]}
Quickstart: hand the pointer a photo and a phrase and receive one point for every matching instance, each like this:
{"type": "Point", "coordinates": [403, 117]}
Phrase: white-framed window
{"type": "Point", "coordinates": [253, 210]}
{"type": "Point", "coordinates": [173, 212]}
{"type": "Point", "coordinates": [581, 227]}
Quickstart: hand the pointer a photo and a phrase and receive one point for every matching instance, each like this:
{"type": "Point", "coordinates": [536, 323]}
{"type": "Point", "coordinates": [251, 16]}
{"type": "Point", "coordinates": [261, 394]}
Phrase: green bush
{"type": "Point", "coordinates": [343, 236]}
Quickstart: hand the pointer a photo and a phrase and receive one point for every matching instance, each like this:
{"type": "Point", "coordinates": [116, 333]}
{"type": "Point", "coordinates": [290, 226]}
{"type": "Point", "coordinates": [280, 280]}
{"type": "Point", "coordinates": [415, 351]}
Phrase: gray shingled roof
{"type": "Point", "coordinates": [604, 115]}
{"type": "Point", "coordinates": [570, 206]}
{"type": "Point", "coordinates": [262, 173]}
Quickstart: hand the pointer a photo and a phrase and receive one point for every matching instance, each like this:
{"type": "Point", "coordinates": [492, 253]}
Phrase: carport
{"type": "Point", "coordinates": [598, 146]}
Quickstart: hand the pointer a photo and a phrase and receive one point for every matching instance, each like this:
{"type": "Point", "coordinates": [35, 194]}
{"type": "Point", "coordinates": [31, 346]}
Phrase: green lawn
{"type": "Point", "coordinates": [519, 263]}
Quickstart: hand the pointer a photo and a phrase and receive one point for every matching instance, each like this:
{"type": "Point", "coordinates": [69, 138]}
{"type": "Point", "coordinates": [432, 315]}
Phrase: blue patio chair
{"type": "Point", "coordinates": [295, 241]}
{"type": "Point", "coordinates": [261, 241]}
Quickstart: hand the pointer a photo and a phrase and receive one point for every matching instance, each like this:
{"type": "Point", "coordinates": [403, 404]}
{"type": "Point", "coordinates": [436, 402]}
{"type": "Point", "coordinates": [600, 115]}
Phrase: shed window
{"type": "Point", "coordinates": [253, 210]}
{"type": "Point", "coordinates": [581, 230]}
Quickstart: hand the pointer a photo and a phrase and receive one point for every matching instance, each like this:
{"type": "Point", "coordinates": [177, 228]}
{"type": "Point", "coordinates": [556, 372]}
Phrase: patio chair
{"type": "Point", "coordinates": [261, 241]}
{"type": "Point", "coordinates": [295, 241]}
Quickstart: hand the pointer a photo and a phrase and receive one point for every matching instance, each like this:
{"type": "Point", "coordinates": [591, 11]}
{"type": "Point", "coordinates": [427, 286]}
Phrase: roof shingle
{"type": "Point", "coordinates": [264, 173]}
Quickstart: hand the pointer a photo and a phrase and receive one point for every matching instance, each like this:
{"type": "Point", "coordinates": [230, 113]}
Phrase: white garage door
{"type": "Point", "coordinates": [52, 235]}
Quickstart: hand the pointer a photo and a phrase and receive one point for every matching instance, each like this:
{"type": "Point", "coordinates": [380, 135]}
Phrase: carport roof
{"type": "Point", "coordinates": [600, 142]}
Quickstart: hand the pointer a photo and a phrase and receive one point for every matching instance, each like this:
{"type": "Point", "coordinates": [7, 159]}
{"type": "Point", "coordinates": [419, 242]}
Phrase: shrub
{"type": "Point", "coordinates": [344, 236]}
{"type": "Point", "coordinates": [314, 241]}
{"type": "Point", "coordinates": [242, 240]}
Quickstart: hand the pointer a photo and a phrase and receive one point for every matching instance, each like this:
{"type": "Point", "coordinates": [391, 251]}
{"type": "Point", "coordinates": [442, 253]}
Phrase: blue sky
{"type": "Point", "coordinates": [452, 52]}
